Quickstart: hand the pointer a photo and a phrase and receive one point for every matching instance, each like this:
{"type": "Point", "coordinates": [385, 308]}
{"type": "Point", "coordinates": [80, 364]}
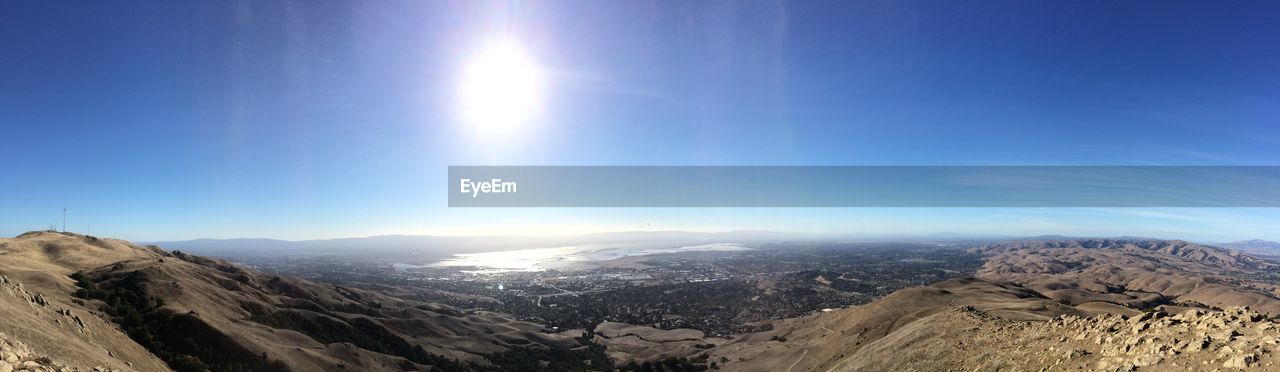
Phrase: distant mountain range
{"type": "Point", "coordinates": [1255, 246]}
{"type": "Point", "coordinates": [432, 247]}
{"type": "Point", "coordinates": [427, 246]}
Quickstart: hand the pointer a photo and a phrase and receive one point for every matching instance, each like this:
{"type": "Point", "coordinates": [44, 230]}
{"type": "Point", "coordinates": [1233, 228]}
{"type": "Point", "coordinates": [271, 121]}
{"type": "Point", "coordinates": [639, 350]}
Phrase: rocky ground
{"type": "Point", "coordinates": [1195, 340]}
{"type": "Point", "coordinates": [1235, 338]}
{"type": "Point", "coordinates": [16, 356]}
{"type": "Point", "coordinates": [986, 325]}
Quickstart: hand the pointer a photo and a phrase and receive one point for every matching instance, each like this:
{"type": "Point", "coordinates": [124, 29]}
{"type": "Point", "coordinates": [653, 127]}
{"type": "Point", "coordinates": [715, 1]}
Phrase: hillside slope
{"type": "Point", "coordinates": [1090, 304]}
{"type": "Point", "coordinates": [78, 296]}
{"type": "Point", "coordinates": [821, 341]}
{"type": "Point", "coordinates": [968, 339]}
{"type": "Point", "coordinates": [1105, 304]}
{"type": "Point", "coordinates": [39, 311]}
{"type": "Point", "coordinates": [1136, 272]}
{"type": "Point", "coordinates": [985, 325]}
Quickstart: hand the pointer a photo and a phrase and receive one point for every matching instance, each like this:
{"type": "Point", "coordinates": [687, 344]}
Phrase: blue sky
{"type": "Point", "coordinates": [173, 120]}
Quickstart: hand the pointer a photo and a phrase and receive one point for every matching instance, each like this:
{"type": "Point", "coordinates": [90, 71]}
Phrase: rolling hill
{"type": "Point", "coordinates": [1136, 272]}
{"type": "Point", "coordinates": [103, 302]}
{"type": "Point", "coordinates": [1059, 304]}
{"type": "Point", "coordinates": [80, 302]}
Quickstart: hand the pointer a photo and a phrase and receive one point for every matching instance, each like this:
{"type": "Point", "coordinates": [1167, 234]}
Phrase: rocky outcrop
{"type": "Point", "coordinates": [17, 356]}
{"type": "Point", "coordinates": [968, 339]}
{"type": "Point", "coordinates": [38, 300]}
{"type": "Point", "coordinates": [1195, 339]}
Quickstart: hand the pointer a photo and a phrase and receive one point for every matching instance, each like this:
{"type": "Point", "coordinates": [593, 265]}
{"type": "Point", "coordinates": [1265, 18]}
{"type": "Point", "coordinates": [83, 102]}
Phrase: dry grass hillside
{"type": "Point", "coordinates": [1136, 272]}
{"type": "Point", "coordinates": [822, 341]}
{"type": "Point", "coordinates": [966, 339]}
{"type": "Point", "coordinates": [81, 303]}
{"type": "Point", "coordinates": [38, 310]}
{"type": "Point", "coordinates": [985, 325]}
{"type": "Point", "coordinates": [1094, 304]}
{"type": "Point", "coordinates": [629, 343]}
{"type": "Point", "coordinates": [102, 302]}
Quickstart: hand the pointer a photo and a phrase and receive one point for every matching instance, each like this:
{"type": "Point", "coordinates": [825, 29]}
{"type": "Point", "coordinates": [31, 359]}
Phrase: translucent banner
{"type": "Point", "coordinates": [864, 186]}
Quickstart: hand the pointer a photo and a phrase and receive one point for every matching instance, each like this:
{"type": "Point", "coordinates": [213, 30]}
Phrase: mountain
{"type": "Point", "coordinates": [1137, 273]}
{"type": "Point", "coordinates": [983, 325]}
{"type": "Point", "coordinates": [79, 302]}
{"type": "Point", "coordinates": [822, 341]}
{"type": "Point", "coordinates": [1255, 246]}
{"type": "Point", "coordinates": [109, 303]}
{"type": "Point", "coordinates": [38, 310]}
{"type": "Point", "coordinates": [1061, 304]}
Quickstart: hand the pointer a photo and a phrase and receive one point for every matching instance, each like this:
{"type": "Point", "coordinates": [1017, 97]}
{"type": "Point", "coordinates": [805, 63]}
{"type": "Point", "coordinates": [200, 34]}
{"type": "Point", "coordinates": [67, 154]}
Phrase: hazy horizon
{"type": "Point", "coordinates": [729, 235]}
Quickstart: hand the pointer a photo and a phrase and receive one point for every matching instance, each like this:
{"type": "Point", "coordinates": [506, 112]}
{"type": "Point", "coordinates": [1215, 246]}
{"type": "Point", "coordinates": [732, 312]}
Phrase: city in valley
{"type": "Point", "coordinates": [720, 292]}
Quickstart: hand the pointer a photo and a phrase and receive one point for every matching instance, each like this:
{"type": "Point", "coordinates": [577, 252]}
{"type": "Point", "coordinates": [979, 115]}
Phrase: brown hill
{"type": "Point", "coordinates": [37, 308]}
{"type": "Point", "coordinates": [821, 341]}
{"type": "Point", "coordinates": [103, 302]}
{"type": "Point", "coordinates": [968, 339]}
{"type": "Point", "coordinates": [1049, 304]}
{"type": "Point", "coordinates": [76, 301]}
{"type": "Point", "coordinates": [1136, 272]}
{"type": "Point", "coordinates": [985, 325]}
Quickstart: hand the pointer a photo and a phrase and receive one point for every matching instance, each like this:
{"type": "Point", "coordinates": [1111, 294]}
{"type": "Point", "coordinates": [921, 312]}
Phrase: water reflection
{"type": "Point", "coordinates": [539, 259]}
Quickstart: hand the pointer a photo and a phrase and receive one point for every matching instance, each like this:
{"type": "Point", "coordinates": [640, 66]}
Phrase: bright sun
{"type": "Point", "coordinates": [501, 89]}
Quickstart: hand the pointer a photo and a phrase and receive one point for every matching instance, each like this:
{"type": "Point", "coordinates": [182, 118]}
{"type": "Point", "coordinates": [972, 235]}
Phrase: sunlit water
{"type": "Point", "coordinates": [539, 259]}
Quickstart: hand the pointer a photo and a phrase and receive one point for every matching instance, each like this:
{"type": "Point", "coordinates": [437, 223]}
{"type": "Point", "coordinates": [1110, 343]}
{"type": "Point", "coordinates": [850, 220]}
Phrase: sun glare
{"type": "Point", "coordinates": [501, 89]}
